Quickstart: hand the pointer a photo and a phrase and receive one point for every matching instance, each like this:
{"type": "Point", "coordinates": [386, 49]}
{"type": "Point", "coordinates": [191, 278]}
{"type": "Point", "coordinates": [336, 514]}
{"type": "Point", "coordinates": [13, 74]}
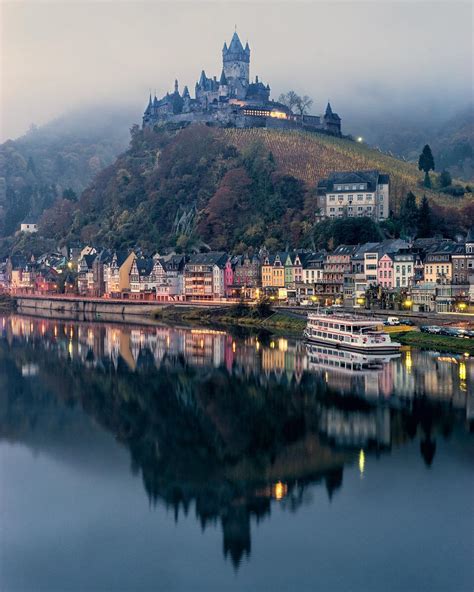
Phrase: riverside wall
{"type": "Point", "coordinates": [83, 307]}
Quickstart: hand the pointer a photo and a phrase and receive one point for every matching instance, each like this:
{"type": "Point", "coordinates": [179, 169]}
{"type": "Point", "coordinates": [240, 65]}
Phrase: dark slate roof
{"type": "Point", "coordinates": [144, 266]}
{"type": "Point", "coordinates": [18, 262]}
{"type": "Point", "coordinates": [345, 250]}
{"type": "Point", "coordinates": [211, 258]}
{"type": "Point", "coordinates": [330, 114]}
{"type": "Point", "coordinates": [121, 257]}
{"type": "Point", "coordinates": [174, 263]}
{"type": "Point", "coordinates": [89, 260]}
{"type": "Point", "coordinates": [371, 178]}
{"type": "Point", "coordinates": [470, 235]}
{"type": "Point", "coordinates": [365, 248]}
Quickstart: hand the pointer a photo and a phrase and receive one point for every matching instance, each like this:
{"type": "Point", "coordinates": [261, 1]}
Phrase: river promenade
{"type": "Point", "coordinates": [66, 303]}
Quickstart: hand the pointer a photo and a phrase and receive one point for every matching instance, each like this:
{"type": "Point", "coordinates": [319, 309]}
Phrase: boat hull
{"type": "Point", "coordinates": [389, 348]}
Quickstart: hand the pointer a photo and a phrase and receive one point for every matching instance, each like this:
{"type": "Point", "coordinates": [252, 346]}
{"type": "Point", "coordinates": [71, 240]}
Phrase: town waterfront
{"type": "Point", "coordinates": [138, 457]}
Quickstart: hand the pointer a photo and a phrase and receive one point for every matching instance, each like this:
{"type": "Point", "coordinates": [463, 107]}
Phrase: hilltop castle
{"type": "Point", "coordinates": [233, 100]}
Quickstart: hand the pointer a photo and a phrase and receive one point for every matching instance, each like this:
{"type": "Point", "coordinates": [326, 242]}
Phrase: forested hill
{"type": "Point", "coordinates": [59, 158]}
{"type": "Point", "coordinates": [227, 188]}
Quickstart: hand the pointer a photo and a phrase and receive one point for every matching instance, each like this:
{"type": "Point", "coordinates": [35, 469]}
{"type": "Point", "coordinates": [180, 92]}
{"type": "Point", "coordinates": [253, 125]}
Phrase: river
{"type": "Point", "coordinates": [167, 458]}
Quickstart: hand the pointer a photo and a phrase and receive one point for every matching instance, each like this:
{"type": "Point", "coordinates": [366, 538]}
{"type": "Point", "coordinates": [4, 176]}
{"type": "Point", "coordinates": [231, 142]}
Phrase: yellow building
{"type": "Point", "coordinates": [273, 272]}
{"type": "Point", "coordinates": [436, 271]}
{"type": "Point", "coordinates": [438, 266]}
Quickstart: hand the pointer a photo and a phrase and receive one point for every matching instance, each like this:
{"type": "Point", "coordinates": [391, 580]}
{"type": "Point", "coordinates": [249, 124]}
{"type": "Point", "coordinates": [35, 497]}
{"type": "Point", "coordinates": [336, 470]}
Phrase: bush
{"type": "Point", "coordinates": [455, 190]}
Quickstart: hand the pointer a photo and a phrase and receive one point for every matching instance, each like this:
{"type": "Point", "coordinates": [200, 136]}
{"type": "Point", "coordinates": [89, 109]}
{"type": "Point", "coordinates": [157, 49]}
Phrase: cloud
{"type": "Point", "coordinates": [361, 55]}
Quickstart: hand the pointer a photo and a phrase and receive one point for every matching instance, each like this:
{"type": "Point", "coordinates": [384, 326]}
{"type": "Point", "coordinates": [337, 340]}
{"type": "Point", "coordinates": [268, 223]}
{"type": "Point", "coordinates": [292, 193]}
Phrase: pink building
{"type": "Point", "coordinates": [228, 276]}
{"type": "Point", "coordinates": [385, 271]}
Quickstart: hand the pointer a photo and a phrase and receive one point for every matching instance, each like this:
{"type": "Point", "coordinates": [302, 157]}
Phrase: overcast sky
{"type": "Point", "coordinates": [361, 55]}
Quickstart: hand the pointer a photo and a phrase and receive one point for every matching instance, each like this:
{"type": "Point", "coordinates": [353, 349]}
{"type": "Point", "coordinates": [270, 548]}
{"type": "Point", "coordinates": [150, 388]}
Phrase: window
{"type": "Point", "coordinates": [361, 186]}
{"type": "Point", "coordinates": [360, 208]}
{"type": "Point", "coordinates": [354, 187]}
{"type": "Point", "coordinates": [360, 197]}
{"type": "Point", "coordinates": [332, 198]}
{"type": "Point", "coordinates": [398, 268]}
{"type": "Point", "coordinates": [346, 188]}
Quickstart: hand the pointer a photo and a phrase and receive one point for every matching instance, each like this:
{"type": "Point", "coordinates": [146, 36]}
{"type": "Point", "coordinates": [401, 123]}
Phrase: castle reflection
{"type": "Point", "coordinates": [229, 425]}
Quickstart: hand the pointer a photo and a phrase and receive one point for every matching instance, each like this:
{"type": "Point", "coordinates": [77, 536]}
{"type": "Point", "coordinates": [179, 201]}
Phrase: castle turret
{"type": "Point", "coordinates": [236, 62]}
{"type": "Point", "coordinates": [332, 121]}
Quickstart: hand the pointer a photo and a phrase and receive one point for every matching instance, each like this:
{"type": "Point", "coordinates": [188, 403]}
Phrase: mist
{"type": "Point", "coordinates": [402, 59]}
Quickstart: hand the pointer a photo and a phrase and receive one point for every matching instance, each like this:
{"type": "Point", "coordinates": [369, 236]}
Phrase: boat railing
{"type": "Point", "coordinates": [344, 316]}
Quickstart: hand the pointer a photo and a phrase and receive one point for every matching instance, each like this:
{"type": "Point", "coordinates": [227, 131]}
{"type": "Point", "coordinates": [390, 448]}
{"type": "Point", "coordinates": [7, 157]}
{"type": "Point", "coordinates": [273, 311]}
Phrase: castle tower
{"type": "Point", "coordinates": [236, 63]}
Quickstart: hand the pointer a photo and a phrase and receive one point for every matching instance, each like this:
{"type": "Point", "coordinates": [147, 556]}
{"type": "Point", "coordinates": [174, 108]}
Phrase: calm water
{"type": "Point", "coordinates": [137, 458]}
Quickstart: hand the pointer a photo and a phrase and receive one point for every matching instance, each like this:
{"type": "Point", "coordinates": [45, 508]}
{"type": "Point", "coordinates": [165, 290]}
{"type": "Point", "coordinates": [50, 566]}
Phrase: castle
{"type": "Point", "coordinates": [233, 101]}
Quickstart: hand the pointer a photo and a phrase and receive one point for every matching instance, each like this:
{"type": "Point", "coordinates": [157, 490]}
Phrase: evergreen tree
{"type": "Point", "coordinates": [409, 215]}
{"type": "Point", "coordinates": [425, 219]}
{"type": "Point", "coordinates": [445, 179]}
{"type": "Point", "coordinates": [426, 163]}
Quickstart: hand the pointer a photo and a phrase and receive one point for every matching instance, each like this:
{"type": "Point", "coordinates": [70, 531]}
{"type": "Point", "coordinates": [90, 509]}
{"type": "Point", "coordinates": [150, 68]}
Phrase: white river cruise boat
{"type": "Point", "coordinates": [351, 332]}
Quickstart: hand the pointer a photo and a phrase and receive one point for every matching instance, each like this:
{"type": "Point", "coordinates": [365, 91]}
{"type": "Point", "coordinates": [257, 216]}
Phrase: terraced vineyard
{"type": "Point", "coordinates": [312, 157]}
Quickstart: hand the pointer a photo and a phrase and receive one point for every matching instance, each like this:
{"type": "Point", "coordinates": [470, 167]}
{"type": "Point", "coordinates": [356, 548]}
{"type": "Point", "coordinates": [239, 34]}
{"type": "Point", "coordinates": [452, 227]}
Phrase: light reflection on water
{"type": "Point", "coordinates": [232, 426]}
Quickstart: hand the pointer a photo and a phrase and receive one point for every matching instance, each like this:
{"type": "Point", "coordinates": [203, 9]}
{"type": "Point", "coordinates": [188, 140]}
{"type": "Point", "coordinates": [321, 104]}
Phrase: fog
{"type": "Point", "coordinates": [405, 59]}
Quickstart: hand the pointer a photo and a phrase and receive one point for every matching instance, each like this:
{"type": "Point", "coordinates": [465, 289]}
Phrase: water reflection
{"type": "Point", "coordinates": [230, 426]}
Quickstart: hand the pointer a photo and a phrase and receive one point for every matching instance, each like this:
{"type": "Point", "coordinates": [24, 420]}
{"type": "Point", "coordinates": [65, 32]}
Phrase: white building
{"type": "Point", "coordinates": [403, 270]}
{"type": "Point", "coordinates": [28, 227]}
{"type": "Point", "coordinates": [355, 194]}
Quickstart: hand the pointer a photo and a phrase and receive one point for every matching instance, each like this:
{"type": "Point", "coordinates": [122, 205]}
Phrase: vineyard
{"type": "Point", "coordinates": [311, 157]}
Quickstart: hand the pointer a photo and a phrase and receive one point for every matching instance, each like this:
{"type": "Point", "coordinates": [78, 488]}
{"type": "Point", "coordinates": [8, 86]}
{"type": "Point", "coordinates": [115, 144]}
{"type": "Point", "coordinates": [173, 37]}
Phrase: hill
{"type": "Point", "coordinates": [312, 157]}
{"type": "Point", "coordinates": [451, 139]}
{"type": "Point", "coordinates": [224, 188]}
{"type": "Point", "coordinates": [62, 156]}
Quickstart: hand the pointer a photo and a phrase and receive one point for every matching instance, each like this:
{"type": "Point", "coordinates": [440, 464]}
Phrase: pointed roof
{"type": "Point", "coordinates": [223, 80]}
{"type": "Point", "coordinates": [328, 110]}
{"type": "Point", "coordinates": [470, 235]}
{"type": "Point", "coordinates": [235, 44]}
{"type": "Point", "coordinates": [185, 92]}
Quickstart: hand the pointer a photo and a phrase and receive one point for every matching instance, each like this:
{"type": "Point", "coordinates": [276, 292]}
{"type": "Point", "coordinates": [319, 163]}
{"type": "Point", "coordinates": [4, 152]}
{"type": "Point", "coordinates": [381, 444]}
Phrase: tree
{"type": "Point", "coordinates": [303, 104]}
{"type": "Point", "coordinates": [425, 221]}
{"type": "Point", "coordinates": [290, 99]}
{"type": "Point", "coordinates": [409, 215]}
{"type": "Point", "coordinates": [445, 179]}
{"type": "Point", "coordinates": [426, 163]}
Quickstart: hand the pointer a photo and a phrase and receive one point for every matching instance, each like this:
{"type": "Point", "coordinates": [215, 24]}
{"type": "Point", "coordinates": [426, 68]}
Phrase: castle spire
{"type": "Point", "coordinates": [176, 86]}
{"type": "Point", "coordinates": [223, 80]}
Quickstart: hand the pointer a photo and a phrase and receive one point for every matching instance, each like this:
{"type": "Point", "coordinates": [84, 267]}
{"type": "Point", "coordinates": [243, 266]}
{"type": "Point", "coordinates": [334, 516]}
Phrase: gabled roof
{"type": "Point", "coordinates": [212, 258]}
{"type": "Point", "coordinates": [144, 266]}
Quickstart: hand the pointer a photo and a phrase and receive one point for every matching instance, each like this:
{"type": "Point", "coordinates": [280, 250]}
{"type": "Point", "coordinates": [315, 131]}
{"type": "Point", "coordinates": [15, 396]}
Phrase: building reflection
{"type": "Point", "coordinates": [231, 426]}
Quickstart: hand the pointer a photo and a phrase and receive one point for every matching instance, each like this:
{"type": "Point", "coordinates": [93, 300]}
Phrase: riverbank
{"type": "Point", "coordinates": [7, 303]}
{"type": "Point", "coordinates": [239, 315]}
{"type": "Point", "coordinates": [439, 343]}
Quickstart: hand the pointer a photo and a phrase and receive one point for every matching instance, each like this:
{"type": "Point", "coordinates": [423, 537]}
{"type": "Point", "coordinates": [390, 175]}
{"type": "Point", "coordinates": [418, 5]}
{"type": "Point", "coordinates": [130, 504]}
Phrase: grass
{"type": "Point", "coordinates": [440, 343]}
{"type": "Point", "coordinates": [311, 157]}
{"type": "Point", "coordinates": [231, 316]}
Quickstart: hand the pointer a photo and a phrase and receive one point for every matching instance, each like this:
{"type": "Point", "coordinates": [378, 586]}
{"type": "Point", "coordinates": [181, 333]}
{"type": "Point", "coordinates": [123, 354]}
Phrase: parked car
{"type": "Point", "coordinates": [392, 321]}
{"type": "Point", "coordinates": [408, 322]}
{"type": "Point", "coordinates": [450, 332]}
{"type": "Point", "coordinates": [433, 329]}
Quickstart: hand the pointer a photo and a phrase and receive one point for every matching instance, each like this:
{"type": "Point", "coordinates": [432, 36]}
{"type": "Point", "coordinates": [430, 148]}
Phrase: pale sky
{"type": "Point", "coordinates": [382, 55]}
